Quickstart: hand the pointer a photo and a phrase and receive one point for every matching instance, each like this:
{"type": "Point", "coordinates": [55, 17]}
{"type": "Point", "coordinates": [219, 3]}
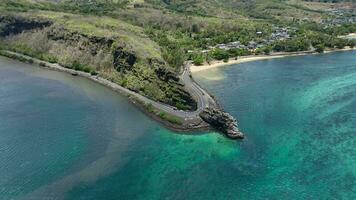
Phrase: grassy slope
{"type": "Point", "coordinates": [160, 30]}
{"type": "Point", "coordinates": [142, 77]}
{"type": "Point", "coordinates": [87, 24]}
{"type": "Point", "coordinates": [105, 27]}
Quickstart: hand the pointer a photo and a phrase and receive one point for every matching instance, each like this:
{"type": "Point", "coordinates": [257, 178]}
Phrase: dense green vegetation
{"type": "Point", "coordinates": [179, 26]}
{"type": "Point", "coordinates": [23, 49]}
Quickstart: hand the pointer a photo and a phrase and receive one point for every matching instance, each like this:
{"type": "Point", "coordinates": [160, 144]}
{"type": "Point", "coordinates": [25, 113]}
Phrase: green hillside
{"type": "Point", "coordinates": [142, 44]}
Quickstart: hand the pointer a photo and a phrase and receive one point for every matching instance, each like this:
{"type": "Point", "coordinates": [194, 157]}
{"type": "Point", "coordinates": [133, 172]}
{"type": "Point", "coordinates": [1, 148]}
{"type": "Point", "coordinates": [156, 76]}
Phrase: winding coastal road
{"type": "Point", "coordinates": [199, 94]}
{"type": "Point", "coordinates": [202, 97]}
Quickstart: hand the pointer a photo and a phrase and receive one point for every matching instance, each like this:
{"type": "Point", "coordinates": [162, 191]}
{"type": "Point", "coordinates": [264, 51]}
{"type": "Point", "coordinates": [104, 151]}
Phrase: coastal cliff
{"type": "Point", "coordinates": [76, 43]}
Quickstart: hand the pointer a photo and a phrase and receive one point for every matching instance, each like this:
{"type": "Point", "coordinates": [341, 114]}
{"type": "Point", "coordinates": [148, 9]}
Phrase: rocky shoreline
{"type": "Point", "coordinates": [222, 121]}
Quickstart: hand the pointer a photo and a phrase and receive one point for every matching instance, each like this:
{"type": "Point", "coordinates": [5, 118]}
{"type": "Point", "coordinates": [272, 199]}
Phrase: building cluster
{"type": "Point", "coordinates": [282, 34]}
{"type": "Point", "coordinates": [279, 34]}
{"type": "Point", "coordinates": [341, 16]}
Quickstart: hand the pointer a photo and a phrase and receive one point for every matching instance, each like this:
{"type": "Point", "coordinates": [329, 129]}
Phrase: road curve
{"type": "Point", "coordinates": [199, 94]}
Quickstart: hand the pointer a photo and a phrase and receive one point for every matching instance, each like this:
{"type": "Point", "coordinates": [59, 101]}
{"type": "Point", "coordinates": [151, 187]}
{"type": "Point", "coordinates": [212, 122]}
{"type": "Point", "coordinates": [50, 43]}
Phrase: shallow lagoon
{"type": "Point", "coordinates": [64, 137]}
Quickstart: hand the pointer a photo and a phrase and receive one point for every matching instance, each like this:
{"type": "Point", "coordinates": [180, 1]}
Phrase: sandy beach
{"type": "Point", "coordinates": [351, 35]}
{"type": "Point", "coordinates": [243, 59]}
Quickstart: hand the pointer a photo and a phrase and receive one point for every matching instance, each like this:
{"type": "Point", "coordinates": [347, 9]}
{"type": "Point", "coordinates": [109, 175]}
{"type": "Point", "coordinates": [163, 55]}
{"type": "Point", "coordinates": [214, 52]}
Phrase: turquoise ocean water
{"type": "Point", "coordinates": [64, 137]}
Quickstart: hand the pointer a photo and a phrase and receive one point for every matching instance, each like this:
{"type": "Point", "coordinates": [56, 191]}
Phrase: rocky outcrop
{"type": "Point", "coordinates": [123, 60]}
{"type": "Point", "coordinates": [165, 75]}
{"type": "Point", "coordinates": [89, 43]}
{"type": "Point", "coordinates": [222, 121]}
{"type": "Point", "coordinates": [11, 25]}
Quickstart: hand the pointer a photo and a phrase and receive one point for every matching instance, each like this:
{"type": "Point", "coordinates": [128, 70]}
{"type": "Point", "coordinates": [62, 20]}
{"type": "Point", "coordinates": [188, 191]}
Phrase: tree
{"type": "Point", "coordinates": [267, 50]}
{"type": "Point", "coordinates": [174, 57]}
{"type": "Point", "coordinates": [220, 54]}
{"type": "Point", "coordinates": [340, 45]}
{"type": "Point", "coordinates": [233, 52]}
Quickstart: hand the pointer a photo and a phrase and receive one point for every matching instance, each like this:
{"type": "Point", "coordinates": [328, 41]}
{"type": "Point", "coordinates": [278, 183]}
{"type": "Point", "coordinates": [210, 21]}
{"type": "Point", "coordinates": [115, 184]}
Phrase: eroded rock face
{"type": "Point", "coordinates": [88, 43]}
{"type": "Point", "coordinates": [222, 121]}
{"type": "Point", "coordinates": [123, 60]}
{"type": "Point", "coordinates": [10, 25]}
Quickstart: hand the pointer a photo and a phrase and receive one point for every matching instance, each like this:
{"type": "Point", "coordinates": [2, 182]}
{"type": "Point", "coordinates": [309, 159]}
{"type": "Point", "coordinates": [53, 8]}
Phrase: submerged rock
{"type": "Point", "coordinates": [222, 121]}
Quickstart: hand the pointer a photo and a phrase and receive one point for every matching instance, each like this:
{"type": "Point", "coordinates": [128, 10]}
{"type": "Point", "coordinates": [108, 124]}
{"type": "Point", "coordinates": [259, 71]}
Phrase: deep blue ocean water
{"type": "Point", "coordinates": [64, 137]}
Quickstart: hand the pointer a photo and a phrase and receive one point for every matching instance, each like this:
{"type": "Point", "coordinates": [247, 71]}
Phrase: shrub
{"type": "Point", "coordinates": [181, 106]}
{"type": "Point", "coordinates": [319, 48]}
{"type": "Point", "coordinates": [238, 52]}
{"type": "Point", "coordinates": [49, 58]}
{"type": "Point", "coordinates": [67, 66]}
{"type": "Point", "coordinates": [80, 67]}
{"type": "Point", "coordinates": [93, 73]}
{"type": "Point", "coordinates": [267, 50]}
{"type": "Point", "coordinates": [20, 58]}
{"type": "Point", "coordinates": [340, 44]}
{"type": "Point", "coordinates": [42, 64]}
{"type": "Point", "coordinates": [76, 65]}
{"type": "Point", "coordinates": [198, 60]}
{"type": "Point", "coordinates": [162, 114]}
{"type": "Point", "coordinates": [86, 69]}
{"type": "Point", "coordinates": [124, 82]}
{"type": "Point", "coordinates": [30, 61]}
{"type": "Point", "coordinates": [150, 107]}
